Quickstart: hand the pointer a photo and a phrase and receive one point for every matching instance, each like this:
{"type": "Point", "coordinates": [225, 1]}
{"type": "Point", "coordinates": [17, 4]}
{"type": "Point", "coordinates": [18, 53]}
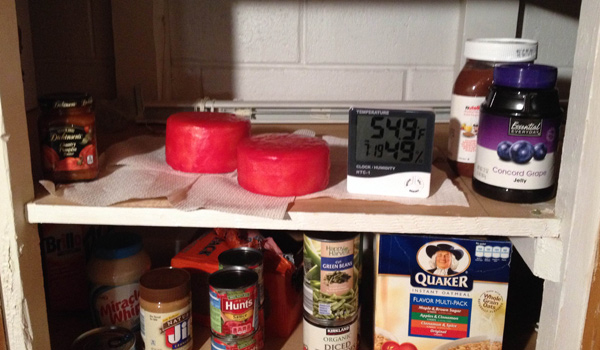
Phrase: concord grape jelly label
{"type": "Point", "coordinates": [516, 153]}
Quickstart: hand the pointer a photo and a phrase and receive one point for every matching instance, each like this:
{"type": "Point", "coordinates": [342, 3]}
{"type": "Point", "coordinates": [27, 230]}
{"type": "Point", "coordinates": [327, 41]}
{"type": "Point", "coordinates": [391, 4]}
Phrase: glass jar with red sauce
{"type": "Point", "coordinates": [470, 89]}
{"type": "Point", "coordinates": [68, 137]}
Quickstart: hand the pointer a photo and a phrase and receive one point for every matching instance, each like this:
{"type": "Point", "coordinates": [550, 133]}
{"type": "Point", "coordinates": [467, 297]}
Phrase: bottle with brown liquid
{"type": "Point", "coordinates": [470, 89]}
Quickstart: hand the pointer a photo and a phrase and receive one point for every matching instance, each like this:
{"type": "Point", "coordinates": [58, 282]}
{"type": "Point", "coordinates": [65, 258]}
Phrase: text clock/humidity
{"type": "Point", "coordinates": [390, 152]}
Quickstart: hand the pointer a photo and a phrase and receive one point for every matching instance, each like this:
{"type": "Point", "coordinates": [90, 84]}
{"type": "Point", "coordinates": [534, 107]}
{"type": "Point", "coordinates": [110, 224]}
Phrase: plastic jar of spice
{"type": "Point", "coordinates": [114, 270]}
{"type": "Point", "coordinates": [518, 135]}
{"type": "Point", "coordinates": [68, 137]}
{"type": "Point", "coordinates": [166, 309]}
{"type": "Point", "coordinates": [470, 89]}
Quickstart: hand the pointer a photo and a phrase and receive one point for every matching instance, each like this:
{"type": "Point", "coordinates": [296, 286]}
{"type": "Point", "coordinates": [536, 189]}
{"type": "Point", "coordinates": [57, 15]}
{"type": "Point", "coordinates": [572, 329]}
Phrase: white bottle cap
{"type": "Point", "coordinates": [501, 50]}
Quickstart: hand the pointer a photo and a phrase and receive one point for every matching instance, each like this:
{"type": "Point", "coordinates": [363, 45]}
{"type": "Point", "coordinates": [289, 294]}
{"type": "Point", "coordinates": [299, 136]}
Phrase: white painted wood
{"type": "Point", "coordinates": [152, 216]}
{"type": "Point", "coordinates": [20, 259]}
{"type": "Point", "coordinates": [540, 256]}
{"type": "Point", "coordinates": [485, 19]}
{"type": "Point", "coordinates": [578, 200]}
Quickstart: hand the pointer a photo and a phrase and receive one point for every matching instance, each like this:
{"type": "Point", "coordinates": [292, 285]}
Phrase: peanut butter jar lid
{"type": "Point", "coordinates": [164, 285]}
{"type": "Point", "coordinates": [501, 49]}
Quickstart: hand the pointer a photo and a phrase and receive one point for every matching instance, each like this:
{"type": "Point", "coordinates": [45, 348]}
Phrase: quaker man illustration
{"type": "Point", "coordinates": [444, 259]}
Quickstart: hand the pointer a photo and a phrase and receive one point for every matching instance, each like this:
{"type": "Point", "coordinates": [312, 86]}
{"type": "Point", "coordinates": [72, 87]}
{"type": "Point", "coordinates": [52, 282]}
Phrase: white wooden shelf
{"type": "Point", "coordinates": [482, 217]}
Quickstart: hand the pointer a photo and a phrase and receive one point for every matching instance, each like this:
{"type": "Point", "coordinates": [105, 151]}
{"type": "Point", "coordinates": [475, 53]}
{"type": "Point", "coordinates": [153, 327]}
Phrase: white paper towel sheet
{"type": "Point", "coordinates": [136, 169]}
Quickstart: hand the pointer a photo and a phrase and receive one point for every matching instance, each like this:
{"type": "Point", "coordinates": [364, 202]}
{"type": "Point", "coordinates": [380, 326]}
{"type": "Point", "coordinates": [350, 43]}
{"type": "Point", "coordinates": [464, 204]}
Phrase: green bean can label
{"type": "Point", "coordinates": [332, 270]}
{"type": "Point", "coordinates": [233, 313]}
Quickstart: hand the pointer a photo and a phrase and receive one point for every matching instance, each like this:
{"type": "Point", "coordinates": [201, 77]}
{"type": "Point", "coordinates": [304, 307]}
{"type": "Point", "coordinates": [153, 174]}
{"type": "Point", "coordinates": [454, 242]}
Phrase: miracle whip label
{"type": "Point", "coordinates": [167, 331]}
{"type": "Point", "coordinates": [117, 306]}
{"type": "Point", "coordinates": [233, 312]}
{"type": "Point", "coordinates": [516, 153]}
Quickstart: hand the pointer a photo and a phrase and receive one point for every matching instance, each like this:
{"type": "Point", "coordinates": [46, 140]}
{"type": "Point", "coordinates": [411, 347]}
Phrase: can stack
{"type": "Point", "coordinates": [332, 272]}
{"type": "Point", "coordinates": [236, 301]}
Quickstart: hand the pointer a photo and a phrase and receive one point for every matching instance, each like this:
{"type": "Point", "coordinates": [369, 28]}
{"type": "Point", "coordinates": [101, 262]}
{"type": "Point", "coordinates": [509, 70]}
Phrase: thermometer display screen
{"type": "Point", "coordinates": [391, 139]}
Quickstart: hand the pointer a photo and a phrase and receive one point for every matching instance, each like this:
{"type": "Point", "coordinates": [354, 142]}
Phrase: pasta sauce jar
{"type": "Point", "coordinates": [166, 309]}
{"type": "Point", "coordinates": [68, 137]}
{"type": "Point", "coordinates": [470, 89]}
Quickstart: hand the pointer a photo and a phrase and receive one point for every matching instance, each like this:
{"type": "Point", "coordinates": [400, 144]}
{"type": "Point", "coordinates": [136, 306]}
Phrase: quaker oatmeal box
{"type": "Point", "coordinates": [440, 293]}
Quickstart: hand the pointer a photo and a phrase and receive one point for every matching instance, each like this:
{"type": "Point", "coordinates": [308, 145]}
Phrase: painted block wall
{"type": "Point", "coordinates": [279, 50]}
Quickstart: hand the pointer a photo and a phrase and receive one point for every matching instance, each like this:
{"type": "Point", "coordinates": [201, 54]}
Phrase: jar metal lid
{"type": "Point", "coordinates": [65, 100]}
{"type": "Point", "coordinates": [525, 76]}
{"type": "Point", "coordinates": [117, 245]}
{"type": "Point", "coordinates": [165, 284]}
{"type": "Point", "coordinates": [105, 338]}
{"type": "Point", "coordinates": [501, 49]}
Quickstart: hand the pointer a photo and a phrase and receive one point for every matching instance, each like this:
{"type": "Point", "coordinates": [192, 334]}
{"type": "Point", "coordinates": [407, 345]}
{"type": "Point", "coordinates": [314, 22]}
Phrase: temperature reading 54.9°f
{"type": "Point", "coordinates": [390, 139]}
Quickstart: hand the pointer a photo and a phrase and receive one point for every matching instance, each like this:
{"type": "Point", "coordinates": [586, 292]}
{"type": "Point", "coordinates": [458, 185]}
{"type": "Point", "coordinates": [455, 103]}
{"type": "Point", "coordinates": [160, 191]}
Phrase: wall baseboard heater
{"type": "Point", "coordinates": [282, 112]}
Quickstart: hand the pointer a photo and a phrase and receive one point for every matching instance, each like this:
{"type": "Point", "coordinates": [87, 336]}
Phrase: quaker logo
{"type": "Point", "coordinates": [443, 264]}
{"type": "Point", "coordinates": [525, 127]}
{"type": "Point", "coordinates": [338, 330]}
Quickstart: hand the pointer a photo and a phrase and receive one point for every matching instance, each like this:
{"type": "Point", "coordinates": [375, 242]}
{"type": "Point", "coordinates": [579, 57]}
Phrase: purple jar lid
{"type": "Point", "coordinates": [525, 76]}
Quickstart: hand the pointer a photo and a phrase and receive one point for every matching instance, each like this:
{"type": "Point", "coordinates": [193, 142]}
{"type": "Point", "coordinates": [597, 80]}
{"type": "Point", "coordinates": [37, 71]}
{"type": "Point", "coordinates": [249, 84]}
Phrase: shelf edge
{"type": "Point", "coordinates": [322, 221]}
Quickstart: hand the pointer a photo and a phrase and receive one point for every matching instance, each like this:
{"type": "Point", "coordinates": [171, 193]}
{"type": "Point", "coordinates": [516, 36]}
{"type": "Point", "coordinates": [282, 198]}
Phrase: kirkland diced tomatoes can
{"type": "Point", "coordinates": [332, 270]}
{"type": "Point", "coordinates": [234, 307]}
{"type": "Point", "coordinates": [321, 335]}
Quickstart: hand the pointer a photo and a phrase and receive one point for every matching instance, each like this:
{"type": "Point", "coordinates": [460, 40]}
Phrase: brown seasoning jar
{"type": "Point", "coordinates": [470, 89]}
{"type": "Point", "coordinates": [68, 137]}
{"type": "Point", "coordinates": [165, 309]}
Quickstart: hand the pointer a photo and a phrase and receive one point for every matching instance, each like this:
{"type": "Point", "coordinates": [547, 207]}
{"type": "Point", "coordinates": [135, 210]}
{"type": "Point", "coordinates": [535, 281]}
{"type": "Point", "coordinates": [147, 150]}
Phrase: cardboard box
{"type": "Point", "coordinates": [440, 293]}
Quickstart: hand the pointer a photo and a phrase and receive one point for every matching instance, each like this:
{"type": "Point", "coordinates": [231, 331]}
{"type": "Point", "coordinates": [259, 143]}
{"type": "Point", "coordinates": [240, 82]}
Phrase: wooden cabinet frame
{"type": "Point", "coordinates": [565, 300]}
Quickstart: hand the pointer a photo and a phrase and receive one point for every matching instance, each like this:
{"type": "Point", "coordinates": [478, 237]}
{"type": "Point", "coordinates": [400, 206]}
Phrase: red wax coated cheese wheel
{"type": "Point", "coordinates": [283, 164]}
{"type": "Point", "coordinates": [204, 142]}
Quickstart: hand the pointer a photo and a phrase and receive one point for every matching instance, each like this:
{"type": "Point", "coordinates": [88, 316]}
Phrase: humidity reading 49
{"type": "Point", "coordinates": [390, 151]}
{"type": "Point", "coordinates": [390, 139]}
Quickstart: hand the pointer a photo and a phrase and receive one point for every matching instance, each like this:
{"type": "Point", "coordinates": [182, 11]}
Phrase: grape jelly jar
{"type": "Point", "coordinates": [518, 135]}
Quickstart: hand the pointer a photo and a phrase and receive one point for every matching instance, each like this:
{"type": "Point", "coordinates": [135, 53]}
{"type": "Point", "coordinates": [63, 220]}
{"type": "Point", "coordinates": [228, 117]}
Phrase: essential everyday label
{"type": "Point", "coordinates": [167, 331]}
{"type": "Point", "coordinates": [117, 306]}
{"type": "Point", "coordinates": [464, 127]}
{"type": "Point", "coordinates": [516, 153]}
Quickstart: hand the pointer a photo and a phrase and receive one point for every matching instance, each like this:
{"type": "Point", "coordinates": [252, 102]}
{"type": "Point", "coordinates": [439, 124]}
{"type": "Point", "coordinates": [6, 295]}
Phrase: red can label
{"type": "Point", "coordinates": [233, 313]}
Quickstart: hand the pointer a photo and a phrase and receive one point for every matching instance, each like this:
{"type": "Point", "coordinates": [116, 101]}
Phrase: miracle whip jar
{"type": "Point", "coordinates": [518, 135]}
{"type": "Point", "coordinates": [471, 88]}
{"type": "Point", "coordinates": [114, 272]}
{"type": "Point", "coordinates": [166, 309]}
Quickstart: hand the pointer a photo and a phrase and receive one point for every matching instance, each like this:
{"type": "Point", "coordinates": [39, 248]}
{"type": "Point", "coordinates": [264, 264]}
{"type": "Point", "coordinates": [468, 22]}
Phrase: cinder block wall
{"type": "Point", "coordinates": [384, 50]}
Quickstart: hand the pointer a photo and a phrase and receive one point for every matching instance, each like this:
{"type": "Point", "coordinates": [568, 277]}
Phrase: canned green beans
{"type": "Point", "coordinates": [233, 302]}
{"type": "Point", "coordinates": [246, 257]}
{"type": "Point", "coordinates": [332, 269]}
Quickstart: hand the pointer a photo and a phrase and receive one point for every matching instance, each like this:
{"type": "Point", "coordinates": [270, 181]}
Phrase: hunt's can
{"type": "Point", "coordinates": [319, 334]}
{"type": "Point", "coordinates": [105, 338]}
{"type": "Point", "coordinates": [246, 257]}
{"type": "Point", "coordinates": [233, 302]}
{"type": "Point", "coordinates": [251, 342]}
{"type": "Point", "coordinates": [332, 270]}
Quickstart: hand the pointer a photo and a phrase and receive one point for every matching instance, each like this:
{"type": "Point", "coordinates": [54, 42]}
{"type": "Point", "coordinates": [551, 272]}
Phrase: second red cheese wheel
{"type": "Point", "coordinates": [204, 142]}
{"type": "Point", "coordinates": [283, 164]}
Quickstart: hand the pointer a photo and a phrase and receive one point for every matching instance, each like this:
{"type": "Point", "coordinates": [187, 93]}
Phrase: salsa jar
{"type": "Point", "coordinates": [68, 137]}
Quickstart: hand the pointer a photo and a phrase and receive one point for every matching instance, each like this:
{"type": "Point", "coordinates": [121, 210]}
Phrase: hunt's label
{"type": "Point", "coordinates": [234, 313]}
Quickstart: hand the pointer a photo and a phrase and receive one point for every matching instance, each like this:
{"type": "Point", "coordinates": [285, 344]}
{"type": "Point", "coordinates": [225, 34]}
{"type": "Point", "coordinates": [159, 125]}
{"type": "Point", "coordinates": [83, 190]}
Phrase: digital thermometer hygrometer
{"type": "Point", "coordinates": [390, 152]}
